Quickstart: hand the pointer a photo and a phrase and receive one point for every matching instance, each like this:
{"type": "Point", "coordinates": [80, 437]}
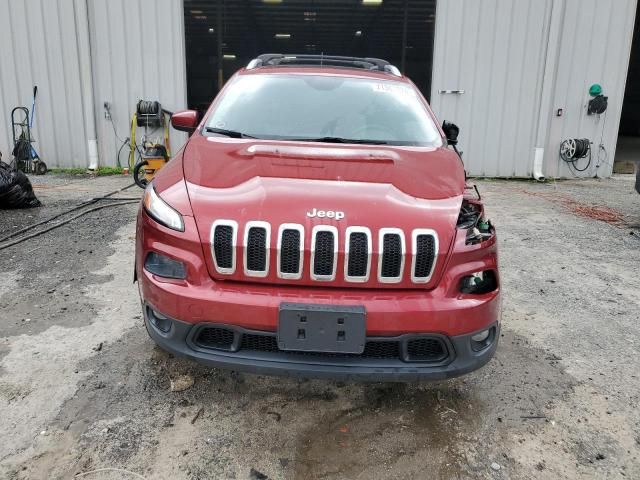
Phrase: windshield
{"type": "Point", "coordinates": [324, 108]}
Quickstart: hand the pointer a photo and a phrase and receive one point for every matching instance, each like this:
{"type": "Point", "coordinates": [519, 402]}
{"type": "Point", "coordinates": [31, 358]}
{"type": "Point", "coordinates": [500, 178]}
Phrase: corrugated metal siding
{"type": "Point", "coordinates": [137, 49]}
{"type": "Point", "coordinates": [138, 53]}
{"type": "Point", "coordinates": [495, 51]}
{"type": "Point", "coordinates": [39, 47]}
{"type": "Point", "coordinates": [595, 44]}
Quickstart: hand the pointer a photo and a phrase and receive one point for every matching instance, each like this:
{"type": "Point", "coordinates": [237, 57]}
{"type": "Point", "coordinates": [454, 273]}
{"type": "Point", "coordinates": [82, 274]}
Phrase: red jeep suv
{"type": "Point", "coordinates": [317, 224]}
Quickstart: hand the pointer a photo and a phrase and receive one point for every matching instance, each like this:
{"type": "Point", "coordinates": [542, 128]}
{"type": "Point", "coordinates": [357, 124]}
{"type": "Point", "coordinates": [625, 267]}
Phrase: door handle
{"type": "Point", "coordinates": [455, 92]}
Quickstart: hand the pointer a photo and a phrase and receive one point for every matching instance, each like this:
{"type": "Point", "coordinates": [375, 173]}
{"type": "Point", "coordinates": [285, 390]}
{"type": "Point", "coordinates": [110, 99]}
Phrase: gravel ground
{"type": "Point", "coordinates": [85, 392]}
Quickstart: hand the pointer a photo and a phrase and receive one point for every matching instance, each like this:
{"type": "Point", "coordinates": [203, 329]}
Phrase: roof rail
{"type": "Point", "coordinates": [282, 60]}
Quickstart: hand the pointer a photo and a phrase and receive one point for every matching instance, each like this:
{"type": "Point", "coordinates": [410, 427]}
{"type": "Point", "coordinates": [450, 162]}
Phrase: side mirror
{"type": "Point", "coordinates": [451, 131]}
{"type": "Point", "coordinates": [185, 120]}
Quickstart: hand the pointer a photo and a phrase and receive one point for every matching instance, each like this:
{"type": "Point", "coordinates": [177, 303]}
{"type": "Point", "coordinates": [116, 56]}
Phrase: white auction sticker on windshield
{"type": "Point", "coordinates": [392, 88]}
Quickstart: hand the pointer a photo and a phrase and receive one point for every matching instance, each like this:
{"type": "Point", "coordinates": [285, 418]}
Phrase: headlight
{"type": "Point", "coordinates": [472, 220]}
{"type": "Point", "coordinates": [160, 211]}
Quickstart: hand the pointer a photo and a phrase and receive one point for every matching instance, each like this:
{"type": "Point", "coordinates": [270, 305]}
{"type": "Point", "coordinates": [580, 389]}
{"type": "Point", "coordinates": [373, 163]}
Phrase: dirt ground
{"type": "Point", "coordinates": [84, 393]}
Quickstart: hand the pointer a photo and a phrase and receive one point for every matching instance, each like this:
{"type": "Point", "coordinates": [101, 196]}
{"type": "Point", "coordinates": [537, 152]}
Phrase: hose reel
{"type": "Point", "coordinates": [574, 149]}
{"type": "Point", "coordinates": [152, 153]}
{"type": "Point", "coordinates": [149, 114]}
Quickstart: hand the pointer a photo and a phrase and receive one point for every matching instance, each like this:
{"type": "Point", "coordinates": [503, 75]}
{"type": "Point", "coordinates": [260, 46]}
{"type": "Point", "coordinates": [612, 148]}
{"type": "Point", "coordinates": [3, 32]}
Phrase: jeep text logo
{"type": "Point", "coordinates": [325, 214]}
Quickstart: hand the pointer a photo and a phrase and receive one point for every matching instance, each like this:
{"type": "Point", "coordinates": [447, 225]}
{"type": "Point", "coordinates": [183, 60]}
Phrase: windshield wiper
{"type": "Point", "coordinates": [342, 140]}
{"type": "Point", "coordinates": [227, 133]}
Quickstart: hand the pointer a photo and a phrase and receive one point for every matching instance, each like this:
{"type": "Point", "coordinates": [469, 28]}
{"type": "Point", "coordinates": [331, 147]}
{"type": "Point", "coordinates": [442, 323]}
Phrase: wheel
{"type": "Point", "coordinates": [41, 168]}
{"type": "Point", "coordinates": [139, 174]}
{"type": "Point", "coordinates": [568, 148]}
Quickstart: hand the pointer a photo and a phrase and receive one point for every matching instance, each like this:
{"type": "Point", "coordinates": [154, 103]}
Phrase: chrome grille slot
{"type": "Point", "coordinates": [290, 251]}
{"type": "Point", "coordinates": [357, 254]}
{"type": "Point", "coordinates": [391, 255]}
{"type": "Point", "coordinates": [324, 253]}
{"type": "Point", "coordinates": [223, 245]}
{"type": "Point", "coordinates": [424, 248]}
{"type": "Point", "coordinates": [256, 249]}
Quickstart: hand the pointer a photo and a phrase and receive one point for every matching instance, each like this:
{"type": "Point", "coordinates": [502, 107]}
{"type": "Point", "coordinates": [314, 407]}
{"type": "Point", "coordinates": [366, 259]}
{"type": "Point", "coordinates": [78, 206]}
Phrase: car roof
{"type": "Point", "coordinates": [325, 70]}
{"type": "Point", "coordinates": [330, 65]}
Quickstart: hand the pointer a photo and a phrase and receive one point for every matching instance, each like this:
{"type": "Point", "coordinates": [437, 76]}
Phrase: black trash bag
{"type": "Point", "coordinates": [15, 189]}
{"type": "Point", "coordinates": [22, 148]}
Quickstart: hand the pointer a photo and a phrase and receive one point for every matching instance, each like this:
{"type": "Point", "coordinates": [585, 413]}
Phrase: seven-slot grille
{"type": "Point", "coordinates": [325, 240]}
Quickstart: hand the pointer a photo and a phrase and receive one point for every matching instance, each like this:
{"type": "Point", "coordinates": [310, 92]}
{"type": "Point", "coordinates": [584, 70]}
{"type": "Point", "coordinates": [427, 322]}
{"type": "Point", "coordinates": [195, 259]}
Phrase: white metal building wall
{"type": "Point", "coordinates": [38, 46]}
{"type": "Point", "coordinates": [518, 62]}
{"type": "Point", "coordinates": [594, 47]}
{"type": "Point", "coordinates": [138, 53]}
{"type": "Point", "coordinates": [494, 52]}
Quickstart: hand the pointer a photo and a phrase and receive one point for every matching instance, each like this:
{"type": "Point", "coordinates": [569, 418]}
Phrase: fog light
{"type": "Point", "coordinates": [479, 282]}
{"type": "Point", "coordinates": [164, 266]}
{"type": "Point", "coordinates": [483, 339]}
{"type": "Point", "coordinates": [480, 337]}
{"type": "Point", "coordinates": [159, 321]}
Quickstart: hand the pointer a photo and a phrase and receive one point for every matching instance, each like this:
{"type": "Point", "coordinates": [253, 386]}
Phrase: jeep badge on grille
{"type": "Point", "coordinates": [325, 214]}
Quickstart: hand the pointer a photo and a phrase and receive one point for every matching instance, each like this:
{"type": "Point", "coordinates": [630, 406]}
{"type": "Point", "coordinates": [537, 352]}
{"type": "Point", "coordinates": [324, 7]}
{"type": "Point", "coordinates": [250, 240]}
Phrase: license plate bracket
{"type": "Point", "coordinates": [322, 328]}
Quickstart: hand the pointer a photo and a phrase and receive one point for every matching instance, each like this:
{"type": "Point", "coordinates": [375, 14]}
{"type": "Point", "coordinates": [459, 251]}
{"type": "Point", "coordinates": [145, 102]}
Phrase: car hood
{"type": "Point", "coordinates": [279, 183]}
{"type": "Point", "coordinates": [219, 162]}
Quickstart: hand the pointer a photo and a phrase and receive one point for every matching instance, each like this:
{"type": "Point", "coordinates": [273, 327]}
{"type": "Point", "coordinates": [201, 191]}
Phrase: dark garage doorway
{"type": "Point", "coordinates": [628, 148]}
{"type": "Point", "coordinates": [244, 29]}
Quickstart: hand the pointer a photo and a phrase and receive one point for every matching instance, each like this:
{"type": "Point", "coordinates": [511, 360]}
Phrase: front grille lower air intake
{"type": "Point", "coordinates": [429, 349]}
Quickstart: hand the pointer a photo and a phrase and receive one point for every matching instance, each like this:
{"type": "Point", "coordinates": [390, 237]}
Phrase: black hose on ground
{"type": "Point", "coordinates": [64, 222]}
{"type": "Point", "coordinates": [77, 207]}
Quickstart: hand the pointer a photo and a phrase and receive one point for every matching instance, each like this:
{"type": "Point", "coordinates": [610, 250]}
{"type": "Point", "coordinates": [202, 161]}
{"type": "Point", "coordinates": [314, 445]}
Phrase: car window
{"type": "Point", "coordinates": [306, 107]}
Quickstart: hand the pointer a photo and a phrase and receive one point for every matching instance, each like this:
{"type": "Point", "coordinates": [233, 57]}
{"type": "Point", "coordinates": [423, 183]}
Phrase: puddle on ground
{"type": "Point", "coordinates": [398, 430]}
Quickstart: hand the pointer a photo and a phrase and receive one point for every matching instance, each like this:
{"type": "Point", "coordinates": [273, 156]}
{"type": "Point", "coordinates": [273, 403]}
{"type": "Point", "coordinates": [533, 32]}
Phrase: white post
{"type": "Point", "coordinates": [556, 19]}
{"type": "Point", "coordinates": [83, 40]}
